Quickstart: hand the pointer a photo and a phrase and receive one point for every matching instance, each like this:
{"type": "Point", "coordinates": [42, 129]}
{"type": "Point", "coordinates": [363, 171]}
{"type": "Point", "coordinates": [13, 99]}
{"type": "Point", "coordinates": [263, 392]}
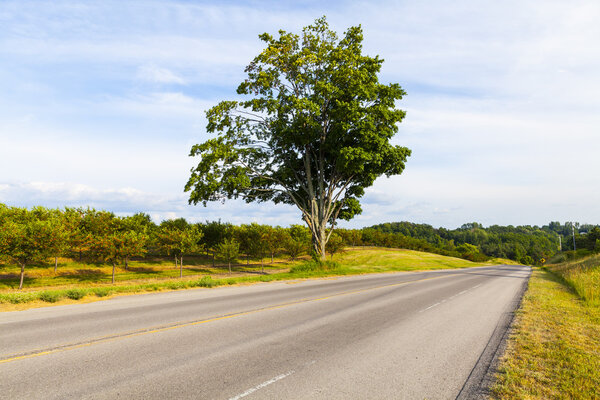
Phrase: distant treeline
{"type": "Point", "coordinates": [525, 244]}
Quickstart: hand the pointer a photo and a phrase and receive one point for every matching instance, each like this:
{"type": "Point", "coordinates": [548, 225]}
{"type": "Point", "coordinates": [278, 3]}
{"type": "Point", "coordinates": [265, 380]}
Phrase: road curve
{"type": "Point", "coordinates": [384, 336]}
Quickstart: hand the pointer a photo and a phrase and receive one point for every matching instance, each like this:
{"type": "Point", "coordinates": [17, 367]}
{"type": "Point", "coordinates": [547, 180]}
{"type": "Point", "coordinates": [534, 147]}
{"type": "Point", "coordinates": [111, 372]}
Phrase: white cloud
{"type": "Point", "coordinates": [156, 74]}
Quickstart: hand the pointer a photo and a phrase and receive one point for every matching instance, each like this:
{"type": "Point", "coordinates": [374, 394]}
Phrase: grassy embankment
{"type": "Point", "coordinates": [554, 351]}
{"type": "Point", "coordinates": [87, 282]}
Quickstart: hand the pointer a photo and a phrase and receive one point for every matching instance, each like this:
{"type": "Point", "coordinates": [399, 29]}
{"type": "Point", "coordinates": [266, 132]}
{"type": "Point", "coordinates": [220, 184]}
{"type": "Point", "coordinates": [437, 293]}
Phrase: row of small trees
{"type": "Point", "coordinates": [39, 234]}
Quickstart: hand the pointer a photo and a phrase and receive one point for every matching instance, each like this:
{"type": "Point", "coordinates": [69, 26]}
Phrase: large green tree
{"type": "Point", "coordinates": [312, 130]}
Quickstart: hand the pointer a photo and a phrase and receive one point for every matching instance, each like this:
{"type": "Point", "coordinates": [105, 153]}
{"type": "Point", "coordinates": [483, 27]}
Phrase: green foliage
{"type": "Point", "coordinates": [228, 250]}
{"type": "Point", "coordinates": [335, 244]}
{"type": "Point", "coordinates": [524, 244]}
{"type": "Point", "coordinates": [102, 292]}
{"type": "Point", "coordinates": [50, 296]}
{"type": "Point", "coordinates": [28, 236]}
{"type": "Point", "coordinates": [178, 241]}
{"type": "Point", "coordinates": [18, 298]}
{"type": "Point", "coordinates": [296, 241]}
{"type": "Point", "coordinates": [315, 266]}
{"type": "Point", "coordinates": [314, 130]}
{"type": "Point", "coordinates": [76, 294]}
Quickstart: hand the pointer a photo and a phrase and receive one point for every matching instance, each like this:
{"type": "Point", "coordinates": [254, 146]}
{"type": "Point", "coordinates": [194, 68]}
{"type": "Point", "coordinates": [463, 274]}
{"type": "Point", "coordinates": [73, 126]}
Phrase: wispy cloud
{"type": "Point", "coordinates": [152, 73]}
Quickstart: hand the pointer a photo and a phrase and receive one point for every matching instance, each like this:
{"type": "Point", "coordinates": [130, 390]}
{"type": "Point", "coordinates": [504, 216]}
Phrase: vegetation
{"type": "Point", "coordinates": [77, 281]}
{"type": "Point", "coordinates": [553, 350]}
{"type": "Point", "coordinates": [530, 245]}
{"type": "Point", "coordinates": [583, 276]}
{"type": "Point", "coordinates": [314, 131]}
{"type": "Point", "coordinates": [92, 239]}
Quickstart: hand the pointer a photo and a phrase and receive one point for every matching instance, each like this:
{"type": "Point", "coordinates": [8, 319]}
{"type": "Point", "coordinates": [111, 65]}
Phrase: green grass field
{"type": "Point", "coordinates": [554, 350]}
{"type": "Point", "coordinates": [86, 282]}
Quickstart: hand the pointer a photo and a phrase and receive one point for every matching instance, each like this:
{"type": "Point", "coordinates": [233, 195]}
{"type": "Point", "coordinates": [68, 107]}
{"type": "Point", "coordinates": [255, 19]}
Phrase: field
{"type": "Point", "coordinates": [75, 281]}
{"type": "Point", "coordinates": [554, 351]}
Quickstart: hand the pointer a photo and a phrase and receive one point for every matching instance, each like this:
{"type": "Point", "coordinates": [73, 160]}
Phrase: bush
{"type": "Point", "coordinates": [17, 298]}
{"type": "Point", "coordinates": [315, 266]}
{"type": "Point", "coordinates": [205, 281]}
{"type": "Point", "coordinates": [50, 296]}
{"type": "Point", "coordinates": [76, 294]}
{"type": "Point", "coordinates": [102, 292]}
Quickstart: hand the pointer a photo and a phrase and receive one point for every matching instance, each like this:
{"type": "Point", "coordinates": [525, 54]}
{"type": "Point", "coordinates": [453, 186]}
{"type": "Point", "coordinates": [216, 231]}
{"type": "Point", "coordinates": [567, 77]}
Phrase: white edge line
{"type": "Point", "coordinates": [262, 385]}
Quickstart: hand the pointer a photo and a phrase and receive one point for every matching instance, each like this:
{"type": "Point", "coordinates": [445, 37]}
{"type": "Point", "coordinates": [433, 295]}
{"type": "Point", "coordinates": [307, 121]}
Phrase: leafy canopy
{"type": "Point", "coordinates": [313, 129]}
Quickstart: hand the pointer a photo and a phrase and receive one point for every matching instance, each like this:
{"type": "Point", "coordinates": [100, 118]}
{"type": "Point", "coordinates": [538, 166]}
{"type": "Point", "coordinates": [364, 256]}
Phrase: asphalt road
{"type": "Point", "coordinates": [385, 336]}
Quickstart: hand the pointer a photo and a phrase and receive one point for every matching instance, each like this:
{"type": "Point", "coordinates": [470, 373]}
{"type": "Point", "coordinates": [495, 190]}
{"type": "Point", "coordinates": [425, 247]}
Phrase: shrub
{"type": "Point", "coordinates": [315, 266]}
{"type": "Point", "coordinates": [17, 298]}
{"type": "Point", "coordinates": [76, 294]}
{"type": "Point", "coordinates": [205, 281]}
{"type": "Point", "coordinates": [50, 296]}
{"type": "Point", "coordinates": [102, 292]}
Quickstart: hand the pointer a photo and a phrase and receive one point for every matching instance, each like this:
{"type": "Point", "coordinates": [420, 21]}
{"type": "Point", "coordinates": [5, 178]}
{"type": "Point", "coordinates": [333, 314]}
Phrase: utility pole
{"type": "Point", "coordinates": [559, 242]}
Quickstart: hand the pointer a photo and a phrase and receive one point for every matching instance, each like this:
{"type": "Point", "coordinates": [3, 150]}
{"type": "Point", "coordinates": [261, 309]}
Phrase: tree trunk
{"type": "Point", "coordinates": [181, 267]}
{"type": "Point", "coordinates": [229, 266]}
{"type": "Point", "coordinates": [262, 266]}
{"type": "Point", "coordinates": [213, 258]}
{"type": "Point", "coordinates": [113, 272]}
{"type": "Point", "coordinates": [247, 259]}
{"type": "Point", "coordinates": [126, 263]}
{"type": "Point", "coordinates": [55, 264]}
{"type": "Point", "coordinates": [22, 275]}
{"type": "Point", "coordinates": [271, 257]}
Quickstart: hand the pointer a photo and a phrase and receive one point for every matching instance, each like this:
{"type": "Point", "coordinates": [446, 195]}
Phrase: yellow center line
{"type": "Point", "coordinates": [104, 339]}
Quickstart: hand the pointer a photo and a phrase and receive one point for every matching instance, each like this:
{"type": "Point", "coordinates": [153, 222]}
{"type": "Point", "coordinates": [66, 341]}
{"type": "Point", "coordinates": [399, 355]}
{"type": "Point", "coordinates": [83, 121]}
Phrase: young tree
{"type": "Point", "coordinates": [228, 250]}
{"type": "Point", "coordinates": [24, 238]}
{"type": "Point", "coordinates": [136, 238]}
{"type": "Point", "coordinates": [178, 242]}
{"type": "Point", "coordinates": [78, 238]}
{"type": "Point", "coordinates": [335, 244]}
{"type": "Point", "coordinates": [258, 247]}
{"type": "Point", "coordinates": [214, 233]}
{"type": "Point", "coordinates": [274, 238]}
{"type": "Point", "coordinates": [314, 132]}
{"type": "Point", "coordinates": [296, 241]}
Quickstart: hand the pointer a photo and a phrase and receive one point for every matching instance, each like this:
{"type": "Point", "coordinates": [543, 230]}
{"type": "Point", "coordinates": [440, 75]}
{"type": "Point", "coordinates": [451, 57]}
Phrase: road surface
{"type": "Point", "coordinates": [385, 336]}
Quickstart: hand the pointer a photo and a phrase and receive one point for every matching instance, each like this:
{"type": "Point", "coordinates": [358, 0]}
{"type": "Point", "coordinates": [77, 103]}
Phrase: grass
{"type": "Point", "coordinates": [84, 282]}
{"type": "Point", "coordinates": [554, 349]}
{"type": "Point", "coordinates": [72, 273]}
{"type": "Point", "coordinates": [583, 276]}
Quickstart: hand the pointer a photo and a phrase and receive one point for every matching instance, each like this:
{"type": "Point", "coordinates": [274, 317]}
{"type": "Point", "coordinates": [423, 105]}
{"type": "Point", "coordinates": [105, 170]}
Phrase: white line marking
{"type": "Point", "coordinates": [436, 304]}
{"type": "Point", "coordinates": [262, 385]}
{"type": "Point", "coordinates": [450, 298]}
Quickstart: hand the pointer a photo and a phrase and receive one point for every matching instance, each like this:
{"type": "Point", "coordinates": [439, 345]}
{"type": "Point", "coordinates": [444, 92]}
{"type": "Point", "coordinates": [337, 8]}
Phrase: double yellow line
{"type": "Point", "coordinates": [104, 339]}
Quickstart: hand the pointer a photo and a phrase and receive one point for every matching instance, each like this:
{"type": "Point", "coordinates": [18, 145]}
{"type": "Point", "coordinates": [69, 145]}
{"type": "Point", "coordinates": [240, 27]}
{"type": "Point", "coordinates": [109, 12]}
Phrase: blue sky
{"type": "Point", "coordinates": [103, 100]}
